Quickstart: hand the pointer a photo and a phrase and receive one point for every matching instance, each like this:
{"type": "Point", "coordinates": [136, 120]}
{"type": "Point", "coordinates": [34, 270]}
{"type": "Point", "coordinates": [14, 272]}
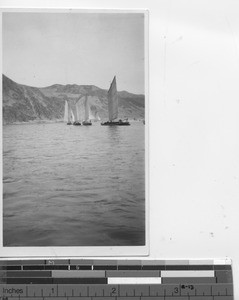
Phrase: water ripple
{"type": "Point", "coordinates": [73, 186]}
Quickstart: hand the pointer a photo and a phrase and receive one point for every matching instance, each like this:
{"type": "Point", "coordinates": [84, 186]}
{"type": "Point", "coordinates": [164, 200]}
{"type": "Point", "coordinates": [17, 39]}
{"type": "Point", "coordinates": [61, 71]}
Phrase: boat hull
{"type": "Point", "coordinates": [118, 123]}
{"type": "Point", "coordinates": [85, 123]}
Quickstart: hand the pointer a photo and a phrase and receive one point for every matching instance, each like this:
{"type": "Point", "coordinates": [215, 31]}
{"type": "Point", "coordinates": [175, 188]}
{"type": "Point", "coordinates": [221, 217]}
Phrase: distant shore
{"type": "Point", "coordinates": [51, 122]}
{"type": "Point", "coordinates": [33, 122]}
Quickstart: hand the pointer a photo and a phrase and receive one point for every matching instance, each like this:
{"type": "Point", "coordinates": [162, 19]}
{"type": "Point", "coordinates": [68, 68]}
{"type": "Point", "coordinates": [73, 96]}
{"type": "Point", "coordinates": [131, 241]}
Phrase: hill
{"type": "Point", "coordinates": [23, 103]}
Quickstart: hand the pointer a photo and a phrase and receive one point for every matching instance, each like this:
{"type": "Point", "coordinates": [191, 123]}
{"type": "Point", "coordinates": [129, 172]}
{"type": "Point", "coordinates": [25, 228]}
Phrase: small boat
{"type": "Point", "coordinates": [67, 115]}
{"type": "Point", "coordinates": [116, 123]}
{"type": "Point", "coordinates": [70, 114]}
{"type": "Point", "coordinates": [76, 123]}
{"type": "Point", "coordinates": [113, 107]}
{"type": "Point", "coordinates": [84, 112]}
{"type": "Point", "coordinates": [87, 121]}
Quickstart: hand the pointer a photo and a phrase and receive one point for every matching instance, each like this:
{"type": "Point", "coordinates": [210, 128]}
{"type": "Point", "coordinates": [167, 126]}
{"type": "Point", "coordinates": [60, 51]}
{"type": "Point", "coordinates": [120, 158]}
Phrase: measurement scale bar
{"type": "Point", "coordinates": [115, 280]}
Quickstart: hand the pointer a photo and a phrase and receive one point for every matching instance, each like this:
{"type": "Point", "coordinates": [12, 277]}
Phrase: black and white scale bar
{"type": "Point", "coordinates": [116, 279]}
{"type": "Point", "coordinates": [115, 276]}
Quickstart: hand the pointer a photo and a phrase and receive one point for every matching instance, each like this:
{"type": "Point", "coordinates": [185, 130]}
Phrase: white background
{"type": "Point", "coordinates": [193, 124]}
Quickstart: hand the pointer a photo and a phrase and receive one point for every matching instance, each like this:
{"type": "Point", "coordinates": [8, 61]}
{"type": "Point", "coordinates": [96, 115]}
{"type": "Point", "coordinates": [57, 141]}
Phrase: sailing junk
{"type": "Point", "coordinates": [80, 110]}
{"type": "Point", "coordinates": [68, 118]}
{"type": "Point", "coordinates": [71, 114]}
{"type": "Point", "coordinates": [86, 112]}
{"type": "Point", "coordinates": [113, 107]}
{"type": "Point", "coordinates": [87, 120]}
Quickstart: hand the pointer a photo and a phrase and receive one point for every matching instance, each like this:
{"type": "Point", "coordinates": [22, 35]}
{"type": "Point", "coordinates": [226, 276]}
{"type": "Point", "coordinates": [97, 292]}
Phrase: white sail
{"type": "Point", "coordinates": [69, 112]}
{"type": "Point", "coordinates": [87, 109]}
{"type": "Point", "coordinates": [91, 115]}
{"type": "Point", "coordinates": [94, 116]}
{"type": "Point", "coordinates": [97, 117]}
{"type": "Point", "coordinates": [74, 114]}
{"type": "Point", "coordinates": [80, 110]}
{"type": "Point", "coordinates": [84, 111]}
{"type": "Point", "coordinates": [113, 101]}
{"type": "Point", "coordinates": [91, 111]}
{"type": "Point", "coordinates": [66, 115]}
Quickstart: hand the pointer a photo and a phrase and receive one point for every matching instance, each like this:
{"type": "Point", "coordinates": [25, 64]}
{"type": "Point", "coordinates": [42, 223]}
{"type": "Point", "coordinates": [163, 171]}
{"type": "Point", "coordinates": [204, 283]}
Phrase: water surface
{"type": "Point", "coordinates": [73, 185]}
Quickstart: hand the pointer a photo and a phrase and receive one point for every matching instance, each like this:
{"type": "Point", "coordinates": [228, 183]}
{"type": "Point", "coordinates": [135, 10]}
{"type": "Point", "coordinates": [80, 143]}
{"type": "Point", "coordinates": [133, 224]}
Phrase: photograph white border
{"type": "Point", "coordinates": [83, 251]}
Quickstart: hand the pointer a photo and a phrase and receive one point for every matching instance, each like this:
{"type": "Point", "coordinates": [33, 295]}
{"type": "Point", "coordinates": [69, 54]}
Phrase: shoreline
{"type": "Point", "coordinates": [50, 122]}
{"type": "Point", "coordinates": [34, 122]}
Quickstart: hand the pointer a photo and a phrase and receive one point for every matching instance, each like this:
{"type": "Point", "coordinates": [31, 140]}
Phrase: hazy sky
{"type": "Point", "coordinates": [40, 49]}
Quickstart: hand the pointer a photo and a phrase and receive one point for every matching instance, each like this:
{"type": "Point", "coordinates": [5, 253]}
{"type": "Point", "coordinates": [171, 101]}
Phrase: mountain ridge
{"type": "Point", "coordinates": [22, 103]}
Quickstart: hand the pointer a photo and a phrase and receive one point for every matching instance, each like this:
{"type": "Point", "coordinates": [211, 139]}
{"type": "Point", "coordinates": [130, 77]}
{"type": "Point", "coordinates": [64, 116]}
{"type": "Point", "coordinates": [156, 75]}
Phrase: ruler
{"type": "Point", "coordinates": [115, 279]}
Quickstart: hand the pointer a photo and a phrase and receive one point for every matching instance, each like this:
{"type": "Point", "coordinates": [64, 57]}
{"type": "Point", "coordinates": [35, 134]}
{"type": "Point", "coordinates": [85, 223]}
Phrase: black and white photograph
{"type": "Point", "coordinates": [74, 133]}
